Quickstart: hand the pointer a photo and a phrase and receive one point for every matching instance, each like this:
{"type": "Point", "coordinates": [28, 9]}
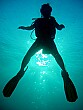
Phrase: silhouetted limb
{"type": "Point", "coordinates": [60, 62]}
{"type": "Point", "coordinates": [57, 56]}
{"type": "Point", "coordinates": [33, 49]}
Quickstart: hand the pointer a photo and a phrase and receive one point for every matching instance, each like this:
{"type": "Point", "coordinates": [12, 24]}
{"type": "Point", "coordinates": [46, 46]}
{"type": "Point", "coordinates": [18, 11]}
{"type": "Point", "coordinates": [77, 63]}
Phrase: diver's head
{"type": "Point", "coordinates": [46, 10]}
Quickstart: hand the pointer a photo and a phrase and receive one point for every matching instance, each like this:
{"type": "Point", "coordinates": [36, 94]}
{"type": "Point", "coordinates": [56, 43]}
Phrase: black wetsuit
{"type": "Point", "coordinates": [45, 30]}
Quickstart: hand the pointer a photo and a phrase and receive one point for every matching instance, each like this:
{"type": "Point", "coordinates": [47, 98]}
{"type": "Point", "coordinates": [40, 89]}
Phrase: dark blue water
{"type": "Point", "coordinates": [41, 88]}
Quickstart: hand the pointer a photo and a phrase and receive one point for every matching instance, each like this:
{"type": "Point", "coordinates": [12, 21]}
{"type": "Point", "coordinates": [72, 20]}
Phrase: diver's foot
{"type": "Point", "coordinates": [65, 74]}
{"type": "Point", "coordinates": [20, 73]}
{"type": "Point", "coordinates": [65, 77]}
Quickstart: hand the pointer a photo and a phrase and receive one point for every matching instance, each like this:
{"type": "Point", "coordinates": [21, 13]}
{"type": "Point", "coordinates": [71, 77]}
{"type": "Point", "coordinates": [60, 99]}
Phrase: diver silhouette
{"type": "Point", "coordinates": [45, 31]}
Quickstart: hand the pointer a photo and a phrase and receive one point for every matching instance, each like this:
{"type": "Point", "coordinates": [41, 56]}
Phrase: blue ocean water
{"type": "Point", "coordinates": [41, 88]}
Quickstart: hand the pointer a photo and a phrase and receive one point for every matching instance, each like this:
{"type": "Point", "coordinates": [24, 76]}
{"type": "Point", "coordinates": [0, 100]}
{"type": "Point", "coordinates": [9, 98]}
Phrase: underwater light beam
{"type": "Point", "coordinates": [42, 59]}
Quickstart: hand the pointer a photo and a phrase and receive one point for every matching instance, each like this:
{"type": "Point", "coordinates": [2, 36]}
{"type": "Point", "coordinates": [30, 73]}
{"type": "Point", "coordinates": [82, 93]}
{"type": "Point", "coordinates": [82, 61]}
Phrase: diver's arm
{"type": "Point", "coordinates": [27, 28]}
{"type": "Point", "coordinates": [59, 27]}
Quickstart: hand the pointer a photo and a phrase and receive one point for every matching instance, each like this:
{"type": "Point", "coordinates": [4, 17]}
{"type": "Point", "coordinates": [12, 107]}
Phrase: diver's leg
{"type": "Point", "coordinates": [57, 56]}
{"type": "Point", "coordinates": [33, 49]}
{"type": "Point", "coordinates": [59, 60]}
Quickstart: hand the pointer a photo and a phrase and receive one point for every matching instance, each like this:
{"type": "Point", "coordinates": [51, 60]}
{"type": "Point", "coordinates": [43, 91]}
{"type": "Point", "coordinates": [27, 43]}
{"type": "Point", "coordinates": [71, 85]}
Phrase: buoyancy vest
{"type": "Point", "coordinates": [45, 28]}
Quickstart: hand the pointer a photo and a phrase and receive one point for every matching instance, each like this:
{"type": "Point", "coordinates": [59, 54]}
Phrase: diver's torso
{"type": "Point", "coordinates": [45, 28]}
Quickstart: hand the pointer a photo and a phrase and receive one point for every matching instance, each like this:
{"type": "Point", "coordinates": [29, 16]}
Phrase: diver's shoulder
{"type": "Point", "coordinates": [52, 17]}
{"type": "Point", "coordinates": [38, 19]}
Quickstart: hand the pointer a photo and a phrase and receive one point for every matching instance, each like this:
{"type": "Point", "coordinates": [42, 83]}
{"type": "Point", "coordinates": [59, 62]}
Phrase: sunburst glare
{"type": "Point", "coordinates": [42, 59]}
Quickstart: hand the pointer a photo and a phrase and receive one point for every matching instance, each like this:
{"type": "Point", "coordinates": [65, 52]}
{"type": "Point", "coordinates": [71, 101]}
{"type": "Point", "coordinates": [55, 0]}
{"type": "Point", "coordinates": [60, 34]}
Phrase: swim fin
{"type": "Point", "coordinates": [70, 90]}
{"type": "Point", "coordinates": [11, 85]}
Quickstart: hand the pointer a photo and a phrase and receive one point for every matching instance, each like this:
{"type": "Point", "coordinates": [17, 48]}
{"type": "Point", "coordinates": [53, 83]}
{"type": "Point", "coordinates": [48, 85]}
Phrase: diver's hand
{"type": "Point", "coordinates": [62, 26]}
{"type": "Point", "coordinates": [21, 27]}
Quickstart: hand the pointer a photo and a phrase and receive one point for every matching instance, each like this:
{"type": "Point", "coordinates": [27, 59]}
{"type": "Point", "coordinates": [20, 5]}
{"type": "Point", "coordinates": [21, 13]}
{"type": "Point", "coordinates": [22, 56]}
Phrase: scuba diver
{"type": "Point", "coordinates": [45, 31]}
